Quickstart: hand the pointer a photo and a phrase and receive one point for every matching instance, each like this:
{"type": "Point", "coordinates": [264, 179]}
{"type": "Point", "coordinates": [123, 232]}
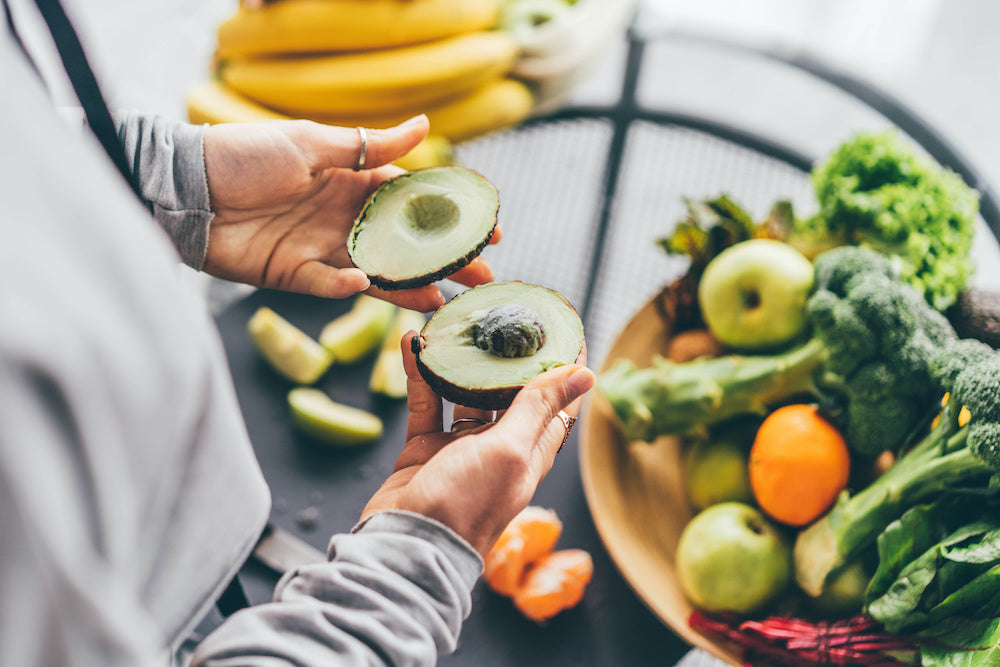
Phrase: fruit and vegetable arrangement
{"type": "Point", "coordinates": [376, 63]}
{"type": "Point", "coordinates": [841, 437]}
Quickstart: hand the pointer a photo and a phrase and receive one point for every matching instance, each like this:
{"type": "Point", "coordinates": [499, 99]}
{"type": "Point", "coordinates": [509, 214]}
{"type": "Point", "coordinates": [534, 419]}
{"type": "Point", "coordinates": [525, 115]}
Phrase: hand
{"type": "Point", "coordinates": [475, 479]}
{"type": "Point", "coordinates": [285, 195]}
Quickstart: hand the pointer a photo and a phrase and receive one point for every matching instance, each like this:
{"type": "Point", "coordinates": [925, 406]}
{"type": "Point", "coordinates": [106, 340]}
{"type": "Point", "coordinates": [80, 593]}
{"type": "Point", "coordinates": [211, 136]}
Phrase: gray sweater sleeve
{"type": "Point", "coordinates": [395, 592]}
{"type": "Point", "coordinates": [168, 158]}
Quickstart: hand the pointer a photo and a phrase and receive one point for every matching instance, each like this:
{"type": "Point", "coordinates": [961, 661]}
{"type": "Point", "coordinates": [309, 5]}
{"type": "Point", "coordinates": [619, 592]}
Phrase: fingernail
{"type": "Point", "coordinates": [413, 121]}
{"type": "Point", "coordinates": [579, 382]}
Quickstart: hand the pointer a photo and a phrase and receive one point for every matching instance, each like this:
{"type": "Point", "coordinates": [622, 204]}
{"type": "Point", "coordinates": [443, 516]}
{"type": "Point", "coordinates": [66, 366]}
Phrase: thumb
{"type": "Point", "coordinates": [529, 419]}
{"type": "Point", "coordinates": [343, 146]}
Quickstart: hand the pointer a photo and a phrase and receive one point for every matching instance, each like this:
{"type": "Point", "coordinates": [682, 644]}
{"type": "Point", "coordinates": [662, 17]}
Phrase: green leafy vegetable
{"type": "Point", "coordinates": [877, 191]}
{"type": "Point", "coordinates": [955, 456]}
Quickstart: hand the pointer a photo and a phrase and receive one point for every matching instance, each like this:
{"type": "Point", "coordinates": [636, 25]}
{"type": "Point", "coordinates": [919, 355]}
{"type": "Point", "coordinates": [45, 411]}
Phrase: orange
{"type": "Point", "coordinates": [528, 537]}
{"type": "Point", "coordinates": [554, 583]}
{"type": "Point", "coordinates": [799, 463]}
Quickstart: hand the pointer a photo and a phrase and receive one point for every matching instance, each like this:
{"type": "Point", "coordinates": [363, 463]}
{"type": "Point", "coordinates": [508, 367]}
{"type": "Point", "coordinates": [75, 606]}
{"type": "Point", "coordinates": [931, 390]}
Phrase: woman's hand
{"type": "Point", "coordinates": [285, 195]}
{"type": "Point", "coordinates": [476, 478]}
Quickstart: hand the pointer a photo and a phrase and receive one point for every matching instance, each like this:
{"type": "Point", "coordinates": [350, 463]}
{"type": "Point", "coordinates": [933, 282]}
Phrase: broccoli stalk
{"type": "Point", "coordinates": [961, 451]}
{"type": "Point", "coordinates": [675, 398]}
{"type": "Point", "coordinates": [873, 338]}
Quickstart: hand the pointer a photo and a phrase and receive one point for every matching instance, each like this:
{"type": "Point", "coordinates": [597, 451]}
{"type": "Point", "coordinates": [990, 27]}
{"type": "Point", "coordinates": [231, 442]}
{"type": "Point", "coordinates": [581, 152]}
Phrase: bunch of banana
{"type": "Point", "coordinates": [371, 63]}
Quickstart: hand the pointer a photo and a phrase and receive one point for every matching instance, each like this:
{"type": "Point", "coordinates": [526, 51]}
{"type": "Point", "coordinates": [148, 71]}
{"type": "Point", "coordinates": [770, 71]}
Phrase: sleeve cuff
{"type": "Point", "coordinates": [462, 555]}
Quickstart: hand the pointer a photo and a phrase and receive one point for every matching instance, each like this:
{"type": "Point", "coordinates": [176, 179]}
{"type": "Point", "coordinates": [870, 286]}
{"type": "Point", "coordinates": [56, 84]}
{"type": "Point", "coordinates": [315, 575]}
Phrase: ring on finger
{"type": "Point", "coordinates": [567, 422]}
{"type": "Point", "coordinates": [469, 420]}
{"type": "Point", "coordinates": [364, 149]}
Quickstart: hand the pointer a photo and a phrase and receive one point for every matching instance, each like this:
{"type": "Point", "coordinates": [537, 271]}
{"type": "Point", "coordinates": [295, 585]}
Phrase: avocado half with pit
{"type": "Point", "coordinates": [422, 226]}
{"type": "Point", "coordinates": [483, 346]}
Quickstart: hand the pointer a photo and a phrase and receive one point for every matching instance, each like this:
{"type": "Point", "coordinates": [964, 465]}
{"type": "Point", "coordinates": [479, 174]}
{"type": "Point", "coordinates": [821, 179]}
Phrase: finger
{"type": "Point", "coordinates": [333, 146]}
{"type": "Point", "coordinates": [531, 417]}
{"type": "Point", "coordinates": [476, 272]}
{"type": "Point", "coordinates": [319, 279]}
{"type": "Point", "coordinates": [497, 235]}
{"type": "Point", "coordinates": [422, 403]}
{"type": "Point", "coordinates": [477, 418]}
{"type": "Point", "coordinates": [422, 299]}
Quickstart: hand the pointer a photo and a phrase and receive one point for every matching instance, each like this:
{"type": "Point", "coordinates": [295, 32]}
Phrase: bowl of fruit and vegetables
{"type": "Point", "coordinates": [818, 484]}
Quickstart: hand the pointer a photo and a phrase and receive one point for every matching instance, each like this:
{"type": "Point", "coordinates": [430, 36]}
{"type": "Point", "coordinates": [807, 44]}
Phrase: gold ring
{"type": "Point", "coordinates": [568, 423]}
{"type": "Point", "coordinates": [469, 420]}
{"type": "Point", "coordinates": [364, 148]}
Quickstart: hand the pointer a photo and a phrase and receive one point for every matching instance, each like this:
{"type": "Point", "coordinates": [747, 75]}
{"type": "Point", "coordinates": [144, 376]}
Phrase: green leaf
{"type": "Point", "coordinates": [903, 540]}
{"type": "Point", "coordinates": [963, 643]}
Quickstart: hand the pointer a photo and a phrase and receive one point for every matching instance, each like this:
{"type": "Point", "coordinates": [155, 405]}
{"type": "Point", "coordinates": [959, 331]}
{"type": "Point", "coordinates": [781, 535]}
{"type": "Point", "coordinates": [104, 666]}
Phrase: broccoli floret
{"type": "Point", "coordinates": [961, 451]}
{"type": "Point", "coordinates": [878, 192]}
{"type": "Point", "coordinates": [873, 340]}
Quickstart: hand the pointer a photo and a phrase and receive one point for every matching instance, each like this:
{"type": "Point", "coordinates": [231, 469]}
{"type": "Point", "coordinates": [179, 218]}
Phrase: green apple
{"type": "Point", "coordinates": [287, 348]}
{"type": "Point", "coordinates": [317, 415]}
{"type": "Point", "coordinates": [731, 558]}
{"type": "Point", "coordinates": [753, 294]}
{"type": "Point", "coordinates": [715, 467]}
{"type": "Point", "coordinates": [359, 331]}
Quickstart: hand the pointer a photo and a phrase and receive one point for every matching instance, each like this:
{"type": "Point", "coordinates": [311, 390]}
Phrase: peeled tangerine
{"type": "Point", "coordinates": [554, 583]}
{"type": "Point", "coordinates": [529, 536]}
{"type": "Point", "coordinates": [522, 565]}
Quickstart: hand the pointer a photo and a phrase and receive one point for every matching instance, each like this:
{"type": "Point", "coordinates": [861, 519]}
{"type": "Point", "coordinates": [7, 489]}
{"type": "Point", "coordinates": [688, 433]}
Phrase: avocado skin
{"type": "Point", "coordinates": [976, 314]}
{"type": "Point", "coordinates": [497, 398]}
{"type": "Point", "coordinates": [420, 281]}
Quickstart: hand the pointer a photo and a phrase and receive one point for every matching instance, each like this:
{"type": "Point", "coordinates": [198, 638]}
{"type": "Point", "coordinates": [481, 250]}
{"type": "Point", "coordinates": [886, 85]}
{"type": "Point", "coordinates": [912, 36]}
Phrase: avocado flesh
{"type": "Point", "coordinates": [464, 373]}
{"type": "Point", "coordinates": [420, 226]}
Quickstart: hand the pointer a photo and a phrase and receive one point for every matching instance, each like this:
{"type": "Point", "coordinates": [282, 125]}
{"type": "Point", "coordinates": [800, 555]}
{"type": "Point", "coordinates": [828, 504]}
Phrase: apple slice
{"type": "Point", "coordinates": [388, 377]}
{"type": "Point", "coordinates": [287, 348]}
{"type": "Point", "coordinates": [317, 415]}
{"type": "Point", "coordinates": [355, 334]}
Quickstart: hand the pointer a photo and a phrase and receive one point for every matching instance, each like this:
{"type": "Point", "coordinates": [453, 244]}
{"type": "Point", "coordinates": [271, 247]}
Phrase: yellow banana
{"type": "Point", "coordinates": [376, 82]}
{"type": "Point", "coordinates": [433, 151]}
{"type": "Point", "coordinates": [213, 102]}
{"type": "Point", "coordinates": [493, 106]}
{"type": "Point", "coordinates": [311, 26]}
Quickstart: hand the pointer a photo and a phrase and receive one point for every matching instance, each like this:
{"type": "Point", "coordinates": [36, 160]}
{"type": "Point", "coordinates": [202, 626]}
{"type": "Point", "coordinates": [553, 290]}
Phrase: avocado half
{"type": "Point", "coordinates": [483, 346]}
{"type": "Point", "coordinates": [422, 226]}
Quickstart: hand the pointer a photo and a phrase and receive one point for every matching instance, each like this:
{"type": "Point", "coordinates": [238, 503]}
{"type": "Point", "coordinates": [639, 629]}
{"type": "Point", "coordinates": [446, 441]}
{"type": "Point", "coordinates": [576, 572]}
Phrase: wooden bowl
{"type": "Point", "coordinates": [636, 493]}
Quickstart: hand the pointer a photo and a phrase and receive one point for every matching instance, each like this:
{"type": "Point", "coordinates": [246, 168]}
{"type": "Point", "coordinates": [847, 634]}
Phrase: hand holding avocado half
{"type": "Point", "coordinates": [475, 478]}
{"type": "Point", "coordinates": [285, 195]}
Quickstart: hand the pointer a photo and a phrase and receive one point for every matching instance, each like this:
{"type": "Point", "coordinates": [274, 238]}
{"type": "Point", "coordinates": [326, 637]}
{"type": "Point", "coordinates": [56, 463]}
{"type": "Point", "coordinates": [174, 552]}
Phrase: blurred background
{"type": "Point", "coordinates": [937, 58]}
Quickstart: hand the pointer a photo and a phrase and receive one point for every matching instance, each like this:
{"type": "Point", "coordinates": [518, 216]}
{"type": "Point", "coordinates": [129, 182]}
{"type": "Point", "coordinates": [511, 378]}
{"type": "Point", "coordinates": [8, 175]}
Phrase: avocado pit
{"type": "Point", "coordinates": [509, 330]}
{"type": "Point", "coordinates": [484, 345]}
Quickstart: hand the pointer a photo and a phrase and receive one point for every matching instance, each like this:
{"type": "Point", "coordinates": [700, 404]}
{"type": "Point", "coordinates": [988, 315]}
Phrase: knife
{"type": "Point", "coordinates": [282, 551]}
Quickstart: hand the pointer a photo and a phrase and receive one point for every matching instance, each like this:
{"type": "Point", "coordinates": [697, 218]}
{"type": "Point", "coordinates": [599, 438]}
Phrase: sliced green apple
{"type": "Point", "coordinates": [287, 348]}
{"type": "Point", "coordinates": [317, 415]}
{"type": "Point", "coordinates": [423, 225]}
{"type": "Point", "coordinates": [358, 332]}
{"type": "Point", "coordinates": [388, 376]}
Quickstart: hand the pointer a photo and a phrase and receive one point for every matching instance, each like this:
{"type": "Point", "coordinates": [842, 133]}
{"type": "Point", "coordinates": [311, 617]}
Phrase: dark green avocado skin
{"type": "Point", "coordinates": [976, 314]}
{"type": "Point", "coordinates": [420, 281]}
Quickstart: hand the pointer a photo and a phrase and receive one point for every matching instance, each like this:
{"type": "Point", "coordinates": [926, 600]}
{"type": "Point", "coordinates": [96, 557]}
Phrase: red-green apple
{"type": "Point", "coordinates": [753, 294]}
{"type": "Point", "coordinates": [731, 558]}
